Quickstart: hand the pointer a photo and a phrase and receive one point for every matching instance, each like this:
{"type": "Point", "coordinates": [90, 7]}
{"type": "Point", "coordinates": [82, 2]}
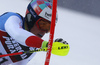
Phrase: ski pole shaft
{"type": "Point", "coordinates": [18, 53]}
{"type": "Point", "coordinates": [56, 49]}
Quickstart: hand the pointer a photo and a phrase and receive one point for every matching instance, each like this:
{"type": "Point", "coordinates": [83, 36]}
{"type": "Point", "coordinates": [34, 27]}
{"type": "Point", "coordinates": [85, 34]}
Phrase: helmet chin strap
{"type": "Point", "coordinates": [40, 35]}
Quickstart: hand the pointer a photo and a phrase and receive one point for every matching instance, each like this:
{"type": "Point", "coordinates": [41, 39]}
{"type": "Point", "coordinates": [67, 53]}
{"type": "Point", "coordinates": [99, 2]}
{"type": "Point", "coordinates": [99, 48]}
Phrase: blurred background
{"type": "Point", "coordinates": [90, 7]}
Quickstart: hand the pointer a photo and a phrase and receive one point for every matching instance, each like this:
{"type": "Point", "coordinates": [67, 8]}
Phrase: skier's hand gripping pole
{"type": "Point", "coordinates": [60, 47]}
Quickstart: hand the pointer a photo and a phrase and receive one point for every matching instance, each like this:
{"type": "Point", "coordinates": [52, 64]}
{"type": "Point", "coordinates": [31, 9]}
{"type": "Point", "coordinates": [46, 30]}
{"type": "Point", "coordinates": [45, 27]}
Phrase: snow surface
{"type": "Point", "coordinates": [80, 30]}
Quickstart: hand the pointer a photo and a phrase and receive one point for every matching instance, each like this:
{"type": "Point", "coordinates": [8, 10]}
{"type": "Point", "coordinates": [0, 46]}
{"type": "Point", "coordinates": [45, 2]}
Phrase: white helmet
{"type": "Point", "coordinates": [38, 9]}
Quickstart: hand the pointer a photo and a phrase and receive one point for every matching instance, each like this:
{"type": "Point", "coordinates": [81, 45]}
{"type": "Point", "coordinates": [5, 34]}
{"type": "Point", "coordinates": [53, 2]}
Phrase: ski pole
{"type": "Point", "coordinates": [18, 53]}
{"type": "Point", "coordinates": [57, 49]}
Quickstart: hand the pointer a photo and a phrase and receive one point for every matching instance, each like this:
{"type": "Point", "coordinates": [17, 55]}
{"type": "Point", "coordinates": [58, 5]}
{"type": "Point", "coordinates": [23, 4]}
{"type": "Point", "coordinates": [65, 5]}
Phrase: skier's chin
{"type": "Point", "coordinates": [40, 35]}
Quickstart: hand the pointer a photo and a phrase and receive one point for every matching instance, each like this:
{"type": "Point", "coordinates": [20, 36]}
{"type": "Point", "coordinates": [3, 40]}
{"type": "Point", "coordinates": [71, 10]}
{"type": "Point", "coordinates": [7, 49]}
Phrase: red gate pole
{"type": "Point", "coordinates": [53, 20]}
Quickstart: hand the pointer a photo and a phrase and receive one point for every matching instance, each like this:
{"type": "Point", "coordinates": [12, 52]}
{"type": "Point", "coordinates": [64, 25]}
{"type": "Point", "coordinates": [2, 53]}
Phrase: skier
{"type": "Point", "coordinates": [19, 34]}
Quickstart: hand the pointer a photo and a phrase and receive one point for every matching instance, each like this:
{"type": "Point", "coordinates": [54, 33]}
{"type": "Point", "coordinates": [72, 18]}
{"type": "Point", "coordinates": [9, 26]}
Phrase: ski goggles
{"type": "Point", "coordinates": [43, 25]}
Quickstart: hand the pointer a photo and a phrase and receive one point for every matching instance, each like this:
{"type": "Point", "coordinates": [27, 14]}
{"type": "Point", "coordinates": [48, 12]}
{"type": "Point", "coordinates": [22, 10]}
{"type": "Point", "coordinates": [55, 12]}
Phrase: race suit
{"type": "Point", "coordinates": [11, 24]}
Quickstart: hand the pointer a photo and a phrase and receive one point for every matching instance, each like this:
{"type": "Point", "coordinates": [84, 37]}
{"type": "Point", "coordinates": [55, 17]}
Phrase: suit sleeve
{"type": "Point", "coordinates": [13, 27]}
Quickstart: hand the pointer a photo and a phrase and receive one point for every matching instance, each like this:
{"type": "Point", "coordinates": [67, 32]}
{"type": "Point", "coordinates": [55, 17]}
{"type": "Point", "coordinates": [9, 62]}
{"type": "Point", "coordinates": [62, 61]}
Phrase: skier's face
{"type": "Point", "coordinates": [43, 25]}
{"type": "Point", "coordinates": [35, 30]}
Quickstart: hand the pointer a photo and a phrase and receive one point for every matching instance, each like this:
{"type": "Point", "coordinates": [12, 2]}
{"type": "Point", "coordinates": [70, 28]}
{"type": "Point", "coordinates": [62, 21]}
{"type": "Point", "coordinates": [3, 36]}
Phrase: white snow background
{"type": "Point", "coordinates": [81, 31]}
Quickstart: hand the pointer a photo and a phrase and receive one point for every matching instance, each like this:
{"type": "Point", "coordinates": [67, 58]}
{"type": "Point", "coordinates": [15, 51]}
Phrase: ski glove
{"type": "Point", "coordinates": [60, 47]}
{"type": "Point", "coordinates": [61, 41]}
{"type": "Point", "coordinates": [45, 43]}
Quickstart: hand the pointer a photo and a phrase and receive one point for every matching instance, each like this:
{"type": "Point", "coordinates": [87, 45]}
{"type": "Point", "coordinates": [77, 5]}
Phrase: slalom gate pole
{"type": "Point", "coordinates": [48, 55]}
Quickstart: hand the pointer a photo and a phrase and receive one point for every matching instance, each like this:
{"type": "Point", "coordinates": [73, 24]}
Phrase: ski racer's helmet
{"type": "Point", "coordinates": [38, 10]}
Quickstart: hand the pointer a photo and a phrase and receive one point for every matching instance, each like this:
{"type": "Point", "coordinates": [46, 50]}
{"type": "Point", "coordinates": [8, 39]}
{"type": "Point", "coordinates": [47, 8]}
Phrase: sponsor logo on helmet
{"type": "Point", "coordinates": [48, 15]}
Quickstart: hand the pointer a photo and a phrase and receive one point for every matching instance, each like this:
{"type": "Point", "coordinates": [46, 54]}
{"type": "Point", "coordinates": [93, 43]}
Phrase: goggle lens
{"type": "Point", "coordinates": [43, 24]}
